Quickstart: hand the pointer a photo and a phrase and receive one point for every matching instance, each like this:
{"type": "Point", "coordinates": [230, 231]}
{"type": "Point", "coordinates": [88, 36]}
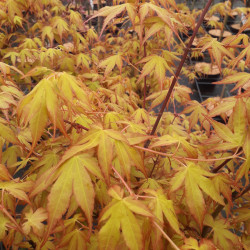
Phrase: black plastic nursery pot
{"type": "Point", "coordinates": [206, 75]}
{"type": "Point", "coordinates": [232, 17]}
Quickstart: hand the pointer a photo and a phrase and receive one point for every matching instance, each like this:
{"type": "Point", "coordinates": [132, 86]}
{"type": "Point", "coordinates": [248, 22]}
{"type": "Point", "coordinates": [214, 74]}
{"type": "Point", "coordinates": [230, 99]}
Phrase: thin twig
{"type": "Point", "coordinates": [166, 236]}
{"type": "Point", "coordinates": [156, 160]}
{"type": "Point", "coordinates": [76, 125]}
{"type": "Point", "coordinates": [124, 182]}
{"type": "Point", "coordinates": [215, 170]}
{"type": "Point", "coordinates": [129, 63]}
{"type": "Point", "coordinates": [178, 71]}
{"type": "Point", "coordinates": [187, 158]}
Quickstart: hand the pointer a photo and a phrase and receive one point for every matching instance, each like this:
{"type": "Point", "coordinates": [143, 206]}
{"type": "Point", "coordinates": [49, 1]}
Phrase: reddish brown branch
{"type": "Point", "coordinates": [145, 81]}
{"type": "Point", "coordinates": [178, 71]}
{"type": "Point", "coordinates": [76, 126]}
{"type": "Point", "coordinates": [215, 170]}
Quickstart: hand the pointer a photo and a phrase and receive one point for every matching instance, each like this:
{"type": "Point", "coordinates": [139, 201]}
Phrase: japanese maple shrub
{"type": "Point", "coordinates": [87, 160]}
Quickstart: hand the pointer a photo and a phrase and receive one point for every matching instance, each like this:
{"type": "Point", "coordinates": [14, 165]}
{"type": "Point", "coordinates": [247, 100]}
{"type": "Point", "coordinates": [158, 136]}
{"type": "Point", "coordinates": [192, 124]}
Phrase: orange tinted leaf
{"type": "Point", "coordinates": [156, 64]}
{"type": "Point", "coordinates": [165, 207]}
{"type": "Point", "coordinates": [222, 131]}
{"type": "Point", "coordinates": [60, 25]}
{"type": "Point", "coordinates": [38, 123]}
{"type": "Point", "coordinates": [17, 189]}
{"type": "Point", "coordinates": [222, 237]}
{"type": "Point", "coordinates": [4, 173]}
{"type": "Point", "coordinates": [196, 180]}
{"type": "Point", "coordinates": [241, 78]}
{"type": "Point", "coordinates": [105, 155]}
{"type": "Point", "coordinates": [73, 179]}
{"type": "Point", "coordinates": [203, 244]}
{"type": "Point", "coordinates": [226, 105]}
{"type": "Point", "coordinates": [240, 121]}
{"type": "Point", "coordinates": [110, 63]}
{"type": "Point", "coordinates": [59, 197]}
{"type": "Point", "coordinates": [194, 199]}
{"type": "Point", "coordinates": [83, 188]}
{"type": "Point", "coordinates": [153, 29]}
{"type": "Point", "coordinates": [131, 230]}
{"type": "Point", "coordinates": [137, 206]}
{"type": "Point", "coordinates": [8, 134]}
{"type": "Point", "coordinates": [75, 240]}
{"type": "Point", "coordinates": [123, 157]}
{"type": "Point", "coordinates": [109, 234]}
{"type": "Point", "coordinates": [34, 221]}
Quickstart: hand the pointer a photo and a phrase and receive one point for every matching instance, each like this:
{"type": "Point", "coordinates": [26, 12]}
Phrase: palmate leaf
{"type": "Point", "coordinates": [82, 59]}
{"type": "Point", "coordinates": [222, 184]}
{"type": "Point", "coordinates": [47, 32]}
{"type": "Point", "coordinates": [197, 111]}
{"type": "Point", "coordinates": [14, 8]}
{"type": "Point", "coordinates": [36, 108]}
{"type": "Point", "coordinates": [245, 53]}
{"type": "Point", "coordinates": [218, 51]}
{"type": "Point", "coordinates": [44, 102]}
{"type": "Point", "coordinates": [156, 27]}
{"type": "Point", "coordinates": [222, 106]}
{"type": "Point", "coordinates": [167, 16]}
{"type": "Point", "coordinates": [156, 64]}
{"type": "Point", "coordinates": [112, 11]}
{"type": "Point", "coordinates": [222, 237]}
{"type": "Point", "coordinates": [105, 140]}
{"type": "Point", "coordinates": [7, 133]}
{"type": "Point", "coordinates": [237, 138]}
{"type": "Point", "coordinates": [120, 214]}
{"type": "Point", "coordinates": [167, 140]}
{"type": "Point", "coordinates": [195, 179]}
{"type": "Point", "coordinates": [225, 134]}
{"type": "Point", "coordinates": [34, 220]}
{"type": "Point", "coordinates": [244, 168]}
{"type": "Point", "coordinates": [75, 240]}
{"type": "Point", "coordinates": [60, 25]}
{"type": "Point", "coordinates": [110, 62]}
{"type": "Point", "coordinates": [162, 206]}
{"type": "Point", "coordinates": [241, 78]}
{"type": "Point", "coordinates": [3, 225]}
{"type": "Point", "coordinates": [203, 244]}
{"type": "Point", "coordinates": [74, 180]}
{"type": "Point", "coordinates": [17, 189]}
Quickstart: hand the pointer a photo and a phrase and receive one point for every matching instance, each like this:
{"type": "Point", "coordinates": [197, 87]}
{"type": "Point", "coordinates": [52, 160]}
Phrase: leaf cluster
{"type": "Point", "coordinates": [79, 166]}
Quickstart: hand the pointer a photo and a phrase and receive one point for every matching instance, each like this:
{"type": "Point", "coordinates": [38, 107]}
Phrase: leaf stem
{"type": "Point", "coordinates": [124, 182]}
{"type": "Point", "coordinates": [156, 160]}
{"type": "Point", "coordinates": [76, 125]}
{"type": "Point", "coordinates": [166, 236]}
{"type": "Point", "coordinates": [187, 158]}
{"type": "Point", "coordinates": [178, 71]}
{"type": "Point", "coordinates": [215, 170]}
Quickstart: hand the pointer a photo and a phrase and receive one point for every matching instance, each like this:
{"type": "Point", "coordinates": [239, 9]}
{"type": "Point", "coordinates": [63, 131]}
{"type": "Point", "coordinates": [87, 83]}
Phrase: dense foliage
{"type": "Point", "coordinates": [80, 167]}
